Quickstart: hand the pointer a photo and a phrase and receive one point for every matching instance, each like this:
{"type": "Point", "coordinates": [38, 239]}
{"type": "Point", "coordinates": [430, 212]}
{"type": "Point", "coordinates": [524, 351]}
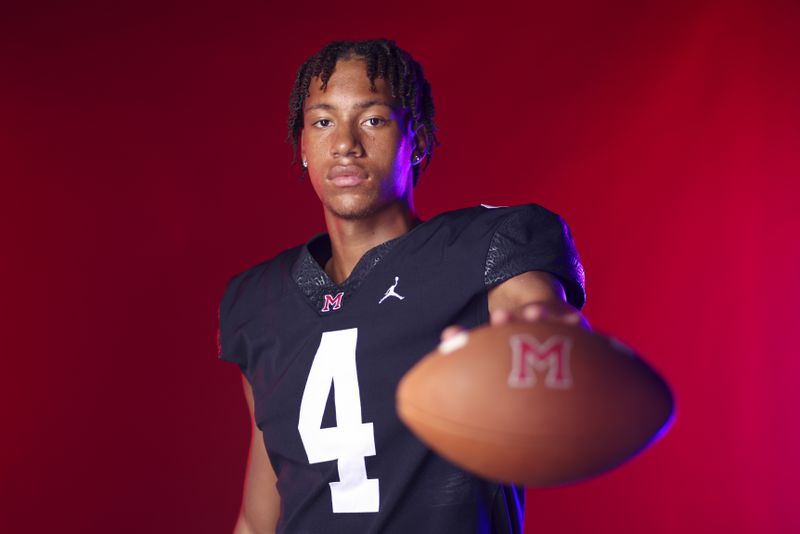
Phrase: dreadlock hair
{"type": "Point", "coordinates": [384, 59]}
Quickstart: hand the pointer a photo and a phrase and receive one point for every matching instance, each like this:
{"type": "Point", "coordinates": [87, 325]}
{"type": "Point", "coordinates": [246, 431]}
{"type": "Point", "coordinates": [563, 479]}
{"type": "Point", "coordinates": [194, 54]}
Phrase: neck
{"type": "Point", "coordinates": [351, 238]}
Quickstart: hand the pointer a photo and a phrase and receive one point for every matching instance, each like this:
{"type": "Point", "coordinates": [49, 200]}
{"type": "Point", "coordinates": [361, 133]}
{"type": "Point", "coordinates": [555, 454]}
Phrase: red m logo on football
{"type": "Point", "coordinates": [333, 303]}
{"type": "Point", "coordinates": [528, 357]}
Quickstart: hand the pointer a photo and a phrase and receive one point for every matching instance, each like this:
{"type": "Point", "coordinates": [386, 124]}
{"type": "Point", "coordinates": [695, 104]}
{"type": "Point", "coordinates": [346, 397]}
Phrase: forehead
{"type": "Point", "coordinates": [348, 85]}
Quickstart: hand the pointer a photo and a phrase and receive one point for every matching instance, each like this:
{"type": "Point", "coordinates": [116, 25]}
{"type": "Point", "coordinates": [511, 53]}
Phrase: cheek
{"type": "Point", "coordinates": [402, 160]}
{"type": "Point", "coordinates": [322, 194]}
{"type": "Point", "coordinates": [313, 144]}
{"type": "Point", "coordinates": [404, 150]}
{"type": "Point", "coordinates": [395, 149]}
{"type": "Point", "coordinates": [315, 156]}
{"type": "Point", "coordinates": [398, 169]}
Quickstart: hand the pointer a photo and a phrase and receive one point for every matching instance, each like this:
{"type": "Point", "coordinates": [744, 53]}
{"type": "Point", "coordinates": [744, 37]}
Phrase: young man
{"type": "Point", "coordinates": [323, 332]}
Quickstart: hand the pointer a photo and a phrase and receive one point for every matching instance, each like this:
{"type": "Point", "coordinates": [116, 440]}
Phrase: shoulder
{"type": "Point", "coordinates": [487, 213]}
{"type": "Point", "coordinates": [530, 237]}
{"type": "Point", "coordinates": [266, 279]}
{"type": "Point", "coordinates": [531, 214]}
{"type": "Point", "coordinates": [485, 218]}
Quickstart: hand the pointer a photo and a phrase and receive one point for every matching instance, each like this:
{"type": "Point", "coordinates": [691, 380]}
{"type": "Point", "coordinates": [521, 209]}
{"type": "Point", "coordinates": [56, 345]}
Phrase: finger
{"type": "Point", "coordinates": [451, 331]}
{"type": "Point", "coordinates": [534, 312]}
{"type": "Point", "coordinates": [500, 316]}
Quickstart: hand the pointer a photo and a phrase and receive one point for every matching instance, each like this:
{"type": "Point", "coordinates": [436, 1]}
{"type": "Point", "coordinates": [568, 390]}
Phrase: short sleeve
{"type": "Point", "coordinates": [231, 342]}
{"type": "Point", "coordinates": [532, 238]}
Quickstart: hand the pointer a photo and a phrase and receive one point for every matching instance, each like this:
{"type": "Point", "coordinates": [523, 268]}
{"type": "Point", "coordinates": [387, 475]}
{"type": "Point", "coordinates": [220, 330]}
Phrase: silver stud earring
{"type": "Point", "coordinates": [415, 159]}
{"type": "Point", "coordinates": [305, 164]}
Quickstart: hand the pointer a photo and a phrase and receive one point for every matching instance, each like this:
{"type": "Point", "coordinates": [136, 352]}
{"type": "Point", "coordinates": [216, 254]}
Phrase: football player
{"type": "Point", "coordinates": [324, 331]}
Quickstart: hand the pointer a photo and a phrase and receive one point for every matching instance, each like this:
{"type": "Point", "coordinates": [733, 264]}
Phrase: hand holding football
{"type": "Point", "coordinates": [540, 403]}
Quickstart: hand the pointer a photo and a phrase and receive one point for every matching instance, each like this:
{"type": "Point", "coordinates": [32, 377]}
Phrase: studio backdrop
{"type": "Point", "coordinates": [143, 163]}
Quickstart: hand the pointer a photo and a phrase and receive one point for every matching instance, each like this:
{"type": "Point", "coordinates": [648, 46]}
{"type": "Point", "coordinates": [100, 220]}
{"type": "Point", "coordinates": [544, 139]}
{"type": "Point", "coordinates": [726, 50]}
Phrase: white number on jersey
{"type": "Point", "coordinates": [350, 440]}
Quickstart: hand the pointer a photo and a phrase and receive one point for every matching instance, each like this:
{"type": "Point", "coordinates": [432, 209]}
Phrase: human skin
{"type": "Point", "coordinates": [359, 148]}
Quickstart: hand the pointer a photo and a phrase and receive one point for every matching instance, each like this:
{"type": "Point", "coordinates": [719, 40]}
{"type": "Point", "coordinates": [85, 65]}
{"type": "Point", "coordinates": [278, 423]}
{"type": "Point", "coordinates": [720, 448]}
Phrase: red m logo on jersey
{"type": "Point", "coordinates": [529, 356]}
{"type": "Point", "coordinates": [332, 302]}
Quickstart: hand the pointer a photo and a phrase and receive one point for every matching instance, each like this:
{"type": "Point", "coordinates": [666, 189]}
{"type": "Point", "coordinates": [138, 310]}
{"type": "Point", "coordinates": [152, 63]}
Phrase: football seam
{"type": "Point", "coordinates": [452, 427]}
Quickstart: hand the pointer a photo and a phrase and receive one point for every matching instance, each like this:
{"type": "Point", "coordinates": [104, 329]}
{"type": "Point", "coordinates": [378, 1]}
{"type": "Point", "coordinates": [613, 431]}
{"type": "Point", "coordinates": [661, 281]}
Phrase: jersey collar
{"type": "Point", "coordinates": [314, 282]}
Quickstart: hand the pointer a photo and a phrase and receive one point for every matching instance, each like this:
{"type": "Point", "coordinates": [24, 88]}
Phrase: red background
{"type": "Point", "coordinates": [143, 163]}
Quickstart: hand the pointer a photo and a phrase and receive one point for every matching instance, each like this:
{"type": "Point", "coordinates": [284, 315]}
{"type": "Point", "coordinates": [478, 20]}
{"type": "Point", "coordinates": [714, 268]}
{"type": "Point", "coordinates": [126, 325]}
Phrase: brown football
{"type": "Point", "coordinates": [539, 404]}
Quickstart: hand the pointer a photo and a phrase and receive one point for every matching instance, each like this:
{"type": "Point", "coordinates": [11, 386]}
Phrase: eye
{"type": "Point", "coordinates": [374, 122]}
{"type": "Point", "coordinates": [322, 123]}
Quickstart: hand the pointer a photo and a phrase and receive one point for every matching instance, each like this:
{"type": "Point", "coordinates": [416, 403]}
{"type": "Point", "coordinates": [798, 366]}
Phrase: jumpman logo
{"type": "Point", "coordinates": [390, 292]}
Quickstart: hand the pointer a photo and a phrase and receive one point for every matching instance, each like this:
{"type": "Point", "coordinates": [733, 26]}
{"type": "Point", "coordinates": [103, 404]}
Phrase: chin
{"type": "Point", "coordinates": [355, 209]}
{"type": "Point", "coordinates": [353, 213]}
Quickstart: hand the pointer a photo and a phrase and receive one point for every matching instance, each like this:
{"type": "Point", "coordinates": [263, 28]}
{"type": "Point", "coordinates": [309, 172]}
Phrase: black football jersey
{"type": "Point", "coordinates": [324, 361]}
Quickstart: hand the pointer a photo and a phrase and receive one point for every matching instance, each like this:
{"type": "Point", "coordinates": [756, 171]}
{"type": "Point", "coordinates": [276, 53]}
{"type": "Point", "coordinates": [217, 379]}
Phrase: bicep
{"type": "Point", "coordinates": [260, 500]}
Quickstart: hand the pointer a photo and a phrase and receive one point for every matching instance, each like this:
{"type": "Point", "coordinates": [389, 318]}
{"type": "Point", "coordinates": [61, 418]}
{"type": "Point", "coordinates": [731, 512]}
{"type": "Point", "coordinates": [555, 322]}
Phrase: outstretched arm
{"type": "Point", "coordinates": [530, 296]}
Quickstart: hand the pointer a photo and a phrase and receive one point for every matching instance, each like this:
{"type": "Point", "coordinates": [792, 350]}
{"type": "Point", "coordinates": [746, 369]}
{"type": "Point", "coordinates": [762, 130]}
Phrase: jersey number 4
{"type": "Point", "coordinates": [351, 440]}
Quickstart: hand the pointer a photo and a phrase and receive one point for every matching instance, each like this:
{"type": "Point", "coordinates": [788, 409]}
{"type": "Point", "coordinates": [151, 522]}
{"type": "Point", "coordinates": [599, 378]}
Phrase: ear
{"type": "Point", "coordinates": [420, 146]}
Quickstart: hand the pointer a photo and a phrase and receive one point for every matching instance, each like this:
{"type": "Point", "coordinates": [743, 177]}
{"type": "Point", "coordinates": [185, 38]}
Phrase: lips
{"type": "Point", "coordinates": [347, 175]}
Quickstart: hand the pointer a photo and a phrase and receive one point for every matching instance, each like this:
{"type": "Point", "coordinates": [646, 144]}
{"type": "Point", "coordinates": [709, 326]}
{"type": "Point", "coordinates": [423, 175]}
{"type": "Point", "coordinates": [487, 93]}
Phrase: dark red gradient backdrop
{"type": "Point", "coordinates": [143, 162]}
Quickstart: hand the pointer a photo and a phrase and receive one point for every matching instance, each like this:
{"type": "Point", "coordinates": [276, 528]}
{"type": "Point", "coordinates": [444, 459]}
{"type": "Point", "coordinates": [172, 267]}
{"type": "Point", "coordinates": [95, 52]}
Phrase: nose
{"type": "Point", "coordinates": [346, 141]}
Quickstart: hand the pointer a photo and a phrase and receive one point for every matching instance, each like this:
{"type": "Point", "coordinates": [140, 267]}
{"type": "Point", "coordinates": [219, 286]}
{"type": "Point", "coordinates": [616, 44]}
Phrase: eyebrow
{"type": "Point", "coordinates": [361, 105]}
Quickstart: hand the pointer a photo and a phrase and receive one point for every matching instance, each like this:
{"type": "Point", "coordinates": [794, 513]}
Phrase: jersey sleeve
{"type": "Point", "coordinates": [532, 238]}
{"type": "Point", "coordinates": [231, 342]}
